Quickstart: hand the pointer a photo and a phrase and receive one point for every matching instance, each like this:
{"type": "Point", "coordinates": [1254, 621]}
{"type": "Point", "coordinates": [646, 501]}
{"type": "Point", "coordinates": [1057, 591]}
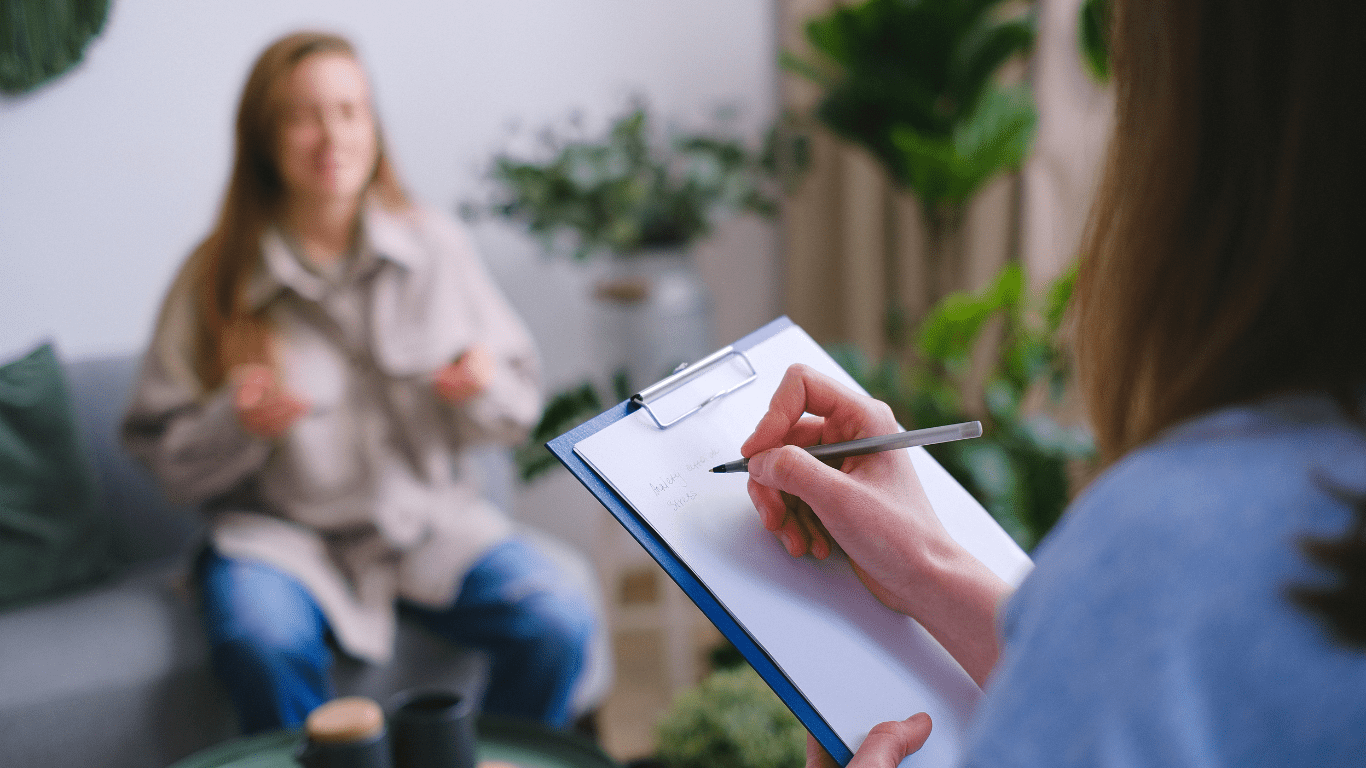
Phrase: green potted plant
{"type": "Point", "coordinates": [916, 84]}
{"type": "Point", "coordinates": [627, 192]}
{"type": "Point", "coordinates": [732, 719]}
{"type": "Point", "coordinates": [637, 199]}
{"type": "Point", "coordinates": [1021, 466]}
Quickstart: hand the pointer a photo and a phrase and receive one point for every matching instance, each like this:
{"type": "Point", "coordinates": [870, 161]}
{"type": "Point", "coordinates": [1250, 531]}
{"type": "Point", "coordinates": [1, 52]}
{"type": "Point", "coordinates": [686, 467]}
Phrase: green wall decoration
{"type": "Point", "coordinates": [40, 39]}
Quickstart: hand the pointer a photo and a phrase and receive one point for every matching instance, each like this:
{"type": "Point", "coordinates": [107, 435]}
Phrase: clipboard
{"type": "Point", "coordinates": [649, 402]}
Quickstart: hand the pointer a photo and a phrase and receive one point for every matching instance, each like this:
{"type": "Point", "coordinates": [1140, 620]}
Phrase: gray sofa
{"type": "Point", "coordinates": [117, 675]}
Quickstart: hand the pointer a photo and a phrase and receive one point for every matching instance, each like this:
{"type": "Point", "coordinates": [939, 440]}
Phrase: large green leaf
{"type": "Point", "coordinates": [1018, 469]}
{"type": "Point", "coordinates": [985, 48]}
{"type": "Point", "coordinates": [904, 78]}
{"type": "Point", "coordinates": [1058, 297]}
{"type": "Point", "coordinates": [949, 171]}
{"type": "Point", "coordinates": [1093, 32]}
{"type": "Point", "coordinates": [952, 327]}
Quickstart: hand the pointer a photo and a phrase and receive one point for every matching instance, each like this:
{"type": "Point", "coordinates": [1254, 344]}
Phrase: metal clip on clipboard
{"type": "Point", "coordinates": [687, 373]}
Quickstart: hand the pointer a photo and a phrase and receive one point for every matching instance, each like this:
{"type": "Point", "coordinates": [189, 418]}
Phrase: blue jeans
{"type": "Point", "coordinates": [268, 638]}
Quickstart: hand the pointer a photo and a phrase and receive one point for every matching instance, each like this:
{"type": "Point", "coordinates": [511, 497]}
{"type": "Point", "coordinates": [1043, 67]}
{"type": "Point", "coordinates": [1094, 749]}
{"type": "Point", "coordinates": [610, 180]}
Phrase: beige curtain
{"type": "Point", "coordinates": [854, 244]}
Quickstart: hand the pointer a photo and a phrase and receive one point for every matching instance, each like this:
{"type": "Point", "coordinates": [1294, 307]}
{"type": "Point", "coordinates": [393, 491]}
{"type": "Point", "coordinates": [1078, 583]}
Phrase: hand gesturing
{"type": "Point", "coordinates": [467, 377]}
{"type": "Point", "coordinates": [263, 406]}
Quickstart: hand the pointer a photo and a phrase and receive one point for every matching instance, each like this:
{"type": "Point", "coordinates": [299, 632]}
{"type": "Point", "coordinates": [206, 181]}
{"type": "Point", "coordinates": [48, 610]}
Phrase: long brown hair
{"type": "Point", "coordinates": [228, 332]}
{"type": "Point", "coordinates": [1226, 255]}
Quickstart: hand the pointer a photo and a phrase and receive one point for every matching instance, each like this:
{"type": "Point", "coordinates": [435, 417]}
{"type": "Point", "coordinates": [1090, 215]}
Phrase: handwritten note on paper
{"type": "Point", "coordinates": [857, 662]}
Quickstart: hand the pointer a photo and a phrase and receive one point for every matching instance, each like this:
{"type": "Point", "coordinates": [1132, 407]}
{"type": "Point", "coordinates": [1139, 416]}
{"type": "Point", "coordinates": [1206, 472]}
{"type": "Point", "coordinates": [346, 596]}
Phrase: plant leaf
{"type": "Point", "coordinates": [1000, 132]}
{"type": "Point", "coordinates": [950, 331]}
{"type": "Point", "coordinates": [624, 192]}
{"type": "Point", "coordinates": [1093, 30]}
{"type": "Point", "coordinates": [564, 411]}
{"type": "Point", "coordinates": [984, 49]}
{"type": "Point", "coordinates": [950, 171]}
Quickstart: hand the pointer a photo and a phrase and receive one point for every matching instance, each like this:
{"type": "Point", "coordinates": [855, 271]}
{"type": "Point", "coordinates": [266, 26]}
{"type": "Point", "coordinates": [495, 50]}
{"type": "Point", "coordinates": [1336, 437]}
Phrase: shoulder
{"type": "Point", "coordinates": [1219, 501]}
{"type": "Point", "coordinates": [1161, 595]}
{"type": "Point", "coordinates": [1243, 473]}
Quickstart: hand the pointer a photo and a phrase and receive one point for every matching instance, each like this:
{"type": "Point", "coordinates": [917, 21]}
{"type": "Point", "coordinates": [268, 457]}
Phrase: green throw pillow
{"type": "Point", "coordinates": [52, 533]}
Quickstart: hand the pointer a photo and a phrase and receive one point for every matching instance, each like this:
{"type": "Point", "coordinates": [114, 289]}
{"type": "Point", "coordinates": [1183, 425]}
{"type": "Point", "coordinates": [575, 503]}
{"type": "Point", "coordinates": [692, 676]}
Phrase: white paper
{"type": "Point", "coordinates": [857, 662]}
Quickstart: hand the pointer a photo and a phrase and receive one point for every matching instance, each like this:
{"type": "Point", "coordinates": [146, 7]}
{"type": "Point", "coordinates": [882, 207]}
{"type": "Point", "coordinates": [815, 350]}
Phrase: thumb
{"type": "Point", "coordinates": [889, 742]}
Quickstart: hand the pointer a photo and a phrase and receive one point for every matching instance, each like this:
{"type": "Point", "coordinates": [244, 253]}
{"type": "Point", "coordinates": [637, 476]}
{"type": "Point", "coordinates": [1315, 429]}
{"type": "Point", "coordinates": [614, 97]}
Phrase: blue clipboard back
{"type": "Point", "coordinates": [563, 449]}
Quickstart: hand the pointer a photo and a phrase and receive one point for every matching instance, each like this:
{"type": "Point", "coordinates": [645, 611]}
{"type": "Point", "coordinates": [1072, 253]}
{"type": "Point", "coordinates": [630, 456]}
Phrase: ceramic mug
{"type": "Point", "coordinates": [432, 728]}
{"type": "Point", "coordinates": [346, 733]}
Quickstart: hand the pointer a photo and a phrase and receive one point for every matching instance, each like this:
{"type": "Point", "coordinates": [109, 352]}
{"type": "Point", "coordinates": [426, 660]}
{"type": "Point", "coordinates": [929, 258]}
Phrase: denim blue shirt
{"type": "Point", "coordinates": [1155, 628]}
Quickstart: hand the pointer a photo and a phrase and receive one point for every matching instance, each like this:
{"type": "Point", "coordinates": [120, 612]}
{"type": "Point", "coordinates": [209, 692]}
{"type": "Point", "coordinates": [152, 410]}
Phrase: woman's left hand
{"type": "Point", "coordinates": [886, 745]}
{"type": "Point", "coordinates": [467, 377]}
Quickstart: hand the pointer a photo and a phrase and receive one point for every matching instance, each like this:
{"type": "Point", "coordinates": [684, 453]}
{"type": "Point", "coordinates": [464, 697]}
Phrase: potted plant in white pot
{"type": "Point", "coordinates": [641, 202]}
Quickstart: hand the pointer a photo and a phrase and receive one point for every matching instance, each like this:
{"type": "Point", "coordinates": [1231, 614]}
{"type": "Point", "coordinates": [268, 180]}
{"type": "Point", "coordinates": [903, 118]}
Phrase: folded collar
{"type": "Point", "coordinates": [385, 236]}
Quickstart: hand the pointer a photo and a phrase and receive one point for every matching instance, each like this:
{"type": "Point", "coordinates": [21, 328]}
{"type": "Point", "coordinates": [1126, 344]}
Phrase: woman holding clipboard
{"type": "Point", "coordinates": [1203, 601]}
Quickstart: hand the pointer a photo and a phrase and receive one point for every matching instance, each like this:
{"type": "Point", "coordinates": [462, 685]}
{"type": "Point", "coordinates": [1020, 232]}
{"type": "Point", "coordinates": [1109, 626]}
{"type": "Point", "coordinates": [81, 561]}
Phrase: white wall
{"type": "Point", "coordinates": [111, 173]}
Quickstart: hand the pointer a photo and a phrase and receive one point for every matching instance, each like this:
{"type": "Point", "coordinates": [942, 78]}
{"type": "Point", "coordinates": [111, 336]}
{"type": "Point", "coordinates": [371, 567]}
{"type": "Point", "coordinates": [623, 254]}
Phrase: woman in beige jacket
{"type": "Point", "coordinates": [318, 365]}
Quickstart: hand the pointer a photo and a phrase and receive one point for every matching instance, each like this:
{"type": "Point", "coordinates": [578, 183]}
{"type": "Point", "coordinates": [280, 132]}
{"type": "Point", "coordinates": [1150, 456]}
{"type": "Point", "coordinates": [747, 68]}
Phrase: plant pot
{"type": "Point", "coordinates": [652, 312]}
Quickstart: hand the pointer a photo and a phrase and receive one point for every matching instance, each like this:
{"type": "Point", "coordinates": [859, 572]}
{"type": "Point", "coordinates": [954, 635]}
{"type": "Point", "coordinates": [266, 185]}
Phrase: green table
{"type": "Point", "coordinates": [524, 745]}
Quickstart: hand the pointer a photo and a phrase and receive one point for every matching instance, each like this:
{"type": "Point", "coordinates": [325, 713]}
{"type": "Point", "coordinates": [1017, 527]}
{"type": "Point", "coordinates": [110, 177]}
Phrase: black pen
{"type": "Point", "coordinates": [833, 451]}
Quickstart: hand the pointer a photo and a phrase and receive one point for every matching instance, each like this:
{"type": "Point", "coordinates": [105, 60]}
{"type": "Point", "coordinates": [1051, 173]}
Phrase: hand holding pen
{"type": "Point", "coordinates": [810, 505]}
{"type": "Point", "coordinates": [875, 509]}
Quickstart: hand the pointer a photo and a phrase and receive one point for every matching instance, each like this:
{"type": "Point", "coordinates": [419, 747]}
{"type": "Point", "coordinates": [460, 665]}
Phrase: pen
{"type": "Point", "coordinates": [832, 451]}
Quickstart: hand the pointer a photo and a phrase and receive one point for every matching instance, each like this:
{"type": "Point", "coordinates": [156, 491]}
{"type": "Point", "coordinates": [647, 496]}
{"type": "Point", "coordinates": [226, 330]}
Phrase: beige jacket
{"type": "Point", "coordinates": [363, 499]}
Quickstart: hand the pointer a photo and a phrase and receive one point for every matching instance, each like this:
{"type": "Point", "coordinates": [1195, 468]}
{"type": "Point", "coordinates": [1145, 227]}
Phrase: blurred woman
{"type": "Point", "coordinates": [1203, 602]}
{"type": "Point", "coordinates": [319, 365]}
